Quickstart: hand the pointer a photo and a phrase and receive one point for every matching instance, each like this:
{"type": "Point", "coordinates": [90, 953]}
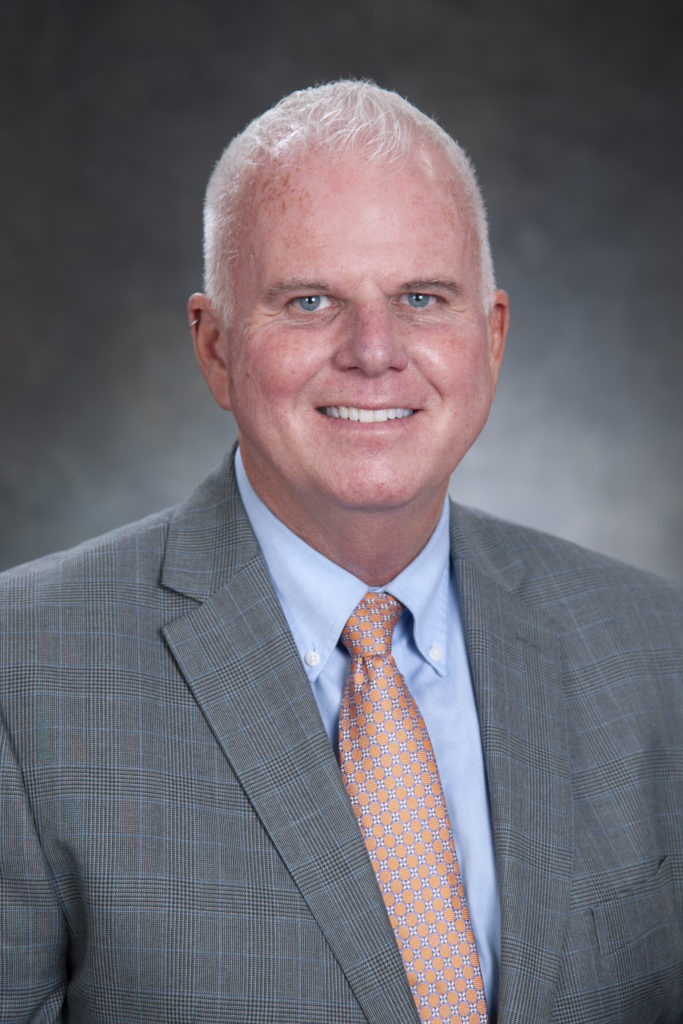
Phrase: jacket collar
{"type": "Point", "coordinates": [209, 538]}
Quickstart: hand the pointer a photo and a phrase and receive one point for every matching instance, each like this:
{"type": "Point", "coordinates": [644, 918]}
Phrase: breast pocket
{"type": "Point", "coordinates": [637, 913]}
{"type": "Point", "coordinates": [638, 964]}
{"type": "Point", "coordinates": [624, 953]}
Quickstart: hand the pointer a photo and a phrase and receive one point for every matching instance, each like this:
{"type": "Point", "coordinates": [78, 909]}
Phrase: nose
{"type": "Point", "coordinates": [371, 341]}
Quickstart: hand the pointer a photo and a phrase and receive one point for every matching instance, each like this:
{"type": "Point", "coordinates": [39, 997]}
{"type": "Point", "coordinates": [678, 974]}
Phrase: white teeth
{"type": "Point", "coordinates": [351, 412]}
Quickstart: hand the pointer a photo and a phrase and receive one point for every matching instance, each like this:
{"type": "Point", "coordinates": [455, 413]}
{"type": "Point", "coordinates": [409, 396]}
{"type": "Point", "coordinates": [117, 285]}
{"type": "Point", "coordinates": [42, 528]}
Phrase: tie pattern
{"type": "Point", "coordinates": [392, 779]}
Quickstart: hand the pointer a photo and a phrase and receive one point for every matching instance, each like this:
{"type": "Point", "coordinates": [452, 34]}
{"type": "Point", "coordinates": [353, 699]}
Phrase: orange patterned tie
{"type": "Point", "coordinates": [391, 776]}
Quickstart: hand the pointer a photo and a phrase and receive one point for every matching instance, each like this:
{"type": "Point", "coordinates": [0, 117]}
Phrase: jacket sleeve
{"type": "Point", "coordinates": [32, 927]}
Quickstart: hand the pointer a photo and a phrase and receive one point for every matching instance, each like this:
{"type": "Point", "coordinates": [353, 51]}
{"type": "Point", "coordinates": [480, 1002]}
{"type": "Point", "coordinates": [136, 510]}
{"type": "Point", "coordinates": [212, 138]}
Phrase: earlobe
{"type": "Point", "coordinates": [211, 347]}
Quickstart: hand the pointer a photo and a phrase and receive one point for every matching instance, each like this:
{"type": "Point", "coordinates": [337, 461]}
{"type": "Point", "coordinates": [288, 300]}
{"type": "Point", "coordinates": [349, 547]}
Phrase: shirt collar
{"type": "Point", "coordinates": [318, 596]}
{"type": "Point", "coordinates": [423, 587]}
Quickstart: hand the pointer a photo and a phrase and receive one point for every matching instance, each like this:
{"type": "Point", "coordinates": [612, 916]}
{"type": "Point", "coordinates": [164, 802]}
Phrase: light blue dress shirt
{"type": "Point", "coordinates": [317, 597]}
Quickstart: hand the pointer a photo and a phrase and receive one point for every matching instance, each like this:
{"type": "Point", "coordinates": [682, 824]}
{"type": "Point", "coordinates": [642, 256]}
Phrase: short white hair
{"type": "Point", "coordinates": [333, 118]}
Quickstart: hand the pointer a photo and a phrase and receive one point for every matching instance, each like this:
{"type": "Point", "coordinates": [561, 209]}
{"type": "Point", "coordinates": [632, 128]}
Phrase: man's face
{"type": "Point", "coordinates": [360, 364]}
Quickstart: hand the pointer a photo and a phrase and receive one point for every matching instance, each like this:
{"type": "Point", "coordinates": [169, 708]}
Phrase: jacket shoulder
{"type": "Point", "coordinates": [481, 535]}
{"type": "Point", "coordinates": [134, 551]}
{"type": "Point", "coordinates": [572, 583]}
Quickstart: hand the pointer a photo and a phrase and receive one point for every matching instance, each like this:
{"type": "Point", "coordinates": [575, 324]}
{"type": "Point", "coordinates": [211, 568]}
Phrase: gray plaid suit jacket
{"type": "Point", "coordinates": [176, 841]}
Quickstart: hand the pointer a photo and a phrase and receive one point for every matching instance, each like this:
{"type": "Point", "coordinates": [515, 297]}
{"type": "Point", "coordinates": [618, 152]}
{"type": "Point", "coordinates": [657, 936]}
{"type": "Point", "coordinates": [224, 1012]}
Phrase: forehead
{"type": "Point", "coordinates": [295, 174]}
{"type": "Point", "coordinates": [338, 203]}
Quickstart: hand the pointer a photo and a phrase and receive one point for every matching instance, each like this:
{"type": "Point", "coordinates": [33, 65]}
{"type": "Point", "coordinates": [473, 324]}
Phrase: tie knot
{"type": "Point", "coordinates": [370, 626]}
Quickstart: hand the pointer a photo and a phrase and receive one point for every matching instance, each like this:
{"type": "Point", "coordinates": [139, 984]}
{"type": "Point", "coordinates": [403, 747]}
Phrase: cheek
{"type": "Point", "coordinates": [462, 372]}
{"type": "Point", "coordinates": [276, 369]}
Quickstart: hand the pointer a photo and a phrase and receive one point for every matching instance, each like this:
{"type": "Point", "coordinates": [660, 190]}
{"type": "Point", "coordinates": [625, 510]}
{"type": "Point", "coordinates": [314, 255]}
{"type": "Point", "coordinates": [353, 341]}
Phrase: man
{"type": "Point", "coordinates": [314, 746]}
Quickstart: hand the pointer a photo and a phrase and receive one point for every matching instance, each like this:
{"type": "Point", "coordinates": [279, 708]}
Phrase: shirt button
{"type": "Point", "coordinates": [436, 653]}
{"type": "Point", "coordinates": [312, 658]}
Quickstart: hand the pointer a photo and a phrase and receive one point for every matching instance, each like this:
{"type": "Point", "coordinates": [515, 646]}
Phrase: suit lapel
{"type": "Point", "coordinates": [239, 659]}
{"type": "Point", "coordinates": [514, 659]}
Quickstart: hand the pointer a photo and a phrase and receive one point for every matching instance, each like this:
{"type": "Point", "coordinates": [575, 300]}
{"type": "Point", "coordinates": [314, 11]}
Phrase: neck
{"type": "Point", "coordinates": [374, 545]}
{"type": "Point", "coordinates": [371, 559]}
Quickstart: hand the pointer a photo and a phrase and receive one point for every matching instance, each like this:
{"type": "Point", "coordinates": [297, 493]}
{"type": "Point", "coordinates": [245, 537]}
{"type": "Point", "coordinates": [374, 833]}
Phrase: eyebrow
{"type": "Point", "coordinates": [296, 284]}
{"type": "Point", "coordinates": [434, 284]}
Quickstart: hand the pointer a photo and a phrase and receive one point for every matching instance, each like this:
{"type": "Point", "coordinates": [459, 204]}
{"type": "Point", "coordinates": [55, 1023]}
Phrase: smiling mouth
{"type": "Point", "coordinates": [352, 412]}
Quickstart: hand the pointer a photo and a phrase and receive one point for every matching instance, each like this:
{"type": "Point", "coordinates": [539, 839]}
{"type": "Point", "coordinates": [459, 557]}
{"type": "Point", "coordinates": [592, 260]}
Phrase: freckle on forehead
{"type": "Point", "coordinates": [278, 186]}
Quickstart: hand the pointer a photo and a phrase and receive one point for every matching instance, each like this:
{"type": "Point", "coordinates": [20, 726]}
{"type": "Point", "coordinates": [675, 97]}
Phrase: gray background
{"type": "Point", "coordinates": [113, 115]}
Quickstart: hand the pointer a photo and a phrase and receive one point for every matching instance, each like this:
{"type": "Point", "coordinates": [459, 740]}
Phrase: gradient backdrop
{"type": "Point", "coordinates": [113, 116]}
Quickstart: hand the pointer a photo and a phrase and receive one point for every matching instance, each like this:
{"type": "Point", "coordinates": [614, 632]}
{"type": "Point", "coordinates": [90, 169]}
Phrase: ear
{"type": "Point", "coordinates": [210, 339]}
{"type": "Point", "coordinates": [499, 321]}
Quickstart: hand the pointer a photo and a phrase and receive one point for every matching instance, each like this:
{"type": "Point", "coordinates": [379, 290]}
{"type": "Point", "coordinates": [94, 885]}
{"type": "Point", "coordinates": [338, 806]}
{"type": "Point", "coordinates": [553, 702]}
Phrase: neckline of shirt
{"type": "Point", "coordinates": [317, 595]}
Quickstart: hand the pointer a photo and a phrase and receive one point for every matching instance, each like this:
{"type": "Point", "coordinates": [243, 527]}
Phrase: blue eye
{"type": "Point", "coordinates": [309, 303]}
{"type": "Point", "coordinates": [418, 300]}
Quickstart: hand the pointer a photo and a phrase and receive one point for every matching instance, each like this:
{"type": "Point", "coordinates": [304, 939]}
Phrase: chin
{"type": "Point", "coordinates": [380, 495]}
